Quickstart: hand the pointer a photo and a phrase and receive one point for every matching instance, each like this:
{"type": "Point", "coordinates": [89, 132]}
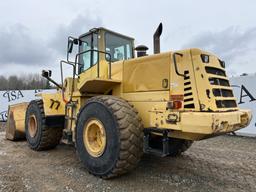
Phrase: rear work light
{"type": "Point", "coordinates": [205, 58]}
{"type": "Point", "coordinates": [222, 63]}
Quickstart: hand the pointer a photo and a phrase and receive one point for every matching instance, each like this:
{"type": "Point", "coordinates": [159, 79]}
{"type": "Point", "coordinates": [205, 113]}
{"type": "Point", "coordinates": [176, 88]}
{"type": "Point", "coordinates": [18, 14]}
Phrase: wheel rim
{"type": "Point", "coordinates": [32, 126]}
{"type": "Point", "coordinates": [94, 137]}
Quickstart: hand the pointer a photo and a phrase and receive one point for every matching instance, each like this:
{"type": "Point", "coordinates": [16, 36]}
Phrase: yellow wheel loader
{"type": "Point", "coordinates": [116, 106]}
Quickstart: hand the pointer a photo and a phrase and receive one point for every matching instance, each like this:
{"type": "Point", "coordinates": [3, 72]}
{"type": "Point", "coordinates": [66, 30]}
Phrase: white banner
{"type": "Point", "coordinates": [245, 91]}
{"type": "Point", "coordinates": [17, 96]}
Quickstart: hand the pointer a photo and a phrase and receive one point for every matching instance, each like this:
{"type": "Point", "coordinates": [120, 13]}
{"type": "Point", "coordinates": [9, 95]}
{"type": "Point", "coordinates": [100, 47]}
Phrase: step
{"type": "Point", "coordinates": [155, 152]}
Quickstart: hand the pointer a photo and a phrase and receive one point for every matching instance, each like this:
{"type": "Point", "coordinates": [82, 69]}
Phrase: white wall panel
{"type": "Point", "coordinates": [17, 96]}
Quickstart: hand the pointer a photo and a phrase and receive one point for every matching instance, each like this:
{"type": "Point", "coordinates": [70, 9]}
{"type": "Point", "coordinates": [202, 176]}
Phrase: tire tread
{"type": "Point", "coordinates": [50, 137]}
{"type": "Point", "coordinates": [130, 132]}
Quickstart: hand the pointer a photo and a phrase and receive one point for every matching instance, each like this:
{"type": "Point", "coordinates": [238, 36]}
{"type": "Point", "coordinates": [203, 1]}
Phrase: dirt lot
{"type": "Point", "coordinates": [225, 163]}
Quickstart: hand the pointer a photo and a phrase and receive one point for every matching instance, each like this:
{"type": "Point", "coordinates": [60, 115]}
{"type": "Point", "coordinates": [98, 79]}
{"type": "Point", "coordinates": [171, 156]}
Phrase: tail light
{"type": "Point", "coordinates": [174, 104]}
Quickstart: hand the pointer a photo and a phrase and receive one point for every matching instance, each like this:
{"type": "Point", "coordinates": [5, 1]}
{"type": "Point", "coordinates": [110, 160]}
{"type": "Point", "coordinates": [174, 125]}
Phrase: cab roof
{"type": "Point", "coordinates": [93, 30]}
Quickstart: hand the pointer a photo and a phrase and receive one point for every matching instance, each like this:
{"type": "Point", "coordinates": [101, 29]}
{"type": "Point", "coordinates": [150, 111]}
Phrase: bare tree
{"type": "Point", "coordinates": [24, 82]}
{"type": "Point", "coordinates": [3, 83]}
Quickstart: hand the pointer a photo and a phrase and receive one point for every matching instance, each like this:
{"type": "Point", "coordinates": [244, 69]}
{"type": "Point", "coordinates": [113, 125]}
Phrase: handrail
{"type": "Point", "coordinates": [61, 68]}
{"type": "Point", "coordinates": [175, 64]}
{"type": "Point", "coordinates": [61, 74]}
{"type": "Point", "coordinates": [74, 64]}
{"type": "Point", "coordinates": [98, 67]}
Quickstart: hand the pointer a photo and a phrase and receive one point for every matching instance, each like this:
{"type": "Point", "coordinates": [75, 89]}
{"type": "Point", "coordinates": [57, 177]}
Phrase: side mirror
{"type": "Point", "coordinates": [71, 42]}
{"type": "Point", "coordinates": [70, 45]}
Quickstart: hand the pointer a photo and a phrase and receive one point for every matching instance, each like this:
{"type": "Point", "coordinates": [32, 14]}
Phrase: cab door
{"type": "Point", "coordinates": [88, 57]}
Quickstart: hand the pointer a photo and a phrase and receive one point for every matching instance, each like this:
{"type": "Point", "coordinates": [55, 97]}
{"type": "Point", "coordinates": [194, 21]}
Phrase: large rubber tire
{"type": "Point", "coordinates": [178, 146]}
{"type": "Point", "coordinates": [124, 136]}
{"type": "Point", "coordinates": [45, 137]}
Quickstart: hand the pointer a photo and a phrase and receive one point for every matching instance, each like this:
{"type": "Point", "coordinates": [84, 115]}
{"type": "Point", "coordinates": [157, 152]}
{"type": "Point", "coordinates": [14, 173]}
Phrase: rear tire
{"type": "Point", "coordinates": [123, 143]}
{"type": "Point", "coordinates": [39, 136]}
{"type": "Point", "coordinates": [178, 146]}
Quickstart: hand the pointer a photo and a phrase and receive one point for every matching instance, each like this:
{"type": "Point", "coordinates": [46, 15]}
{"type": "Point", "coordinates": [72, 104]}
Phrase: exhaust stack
{"type": "Point", "coordinates": [156, 38]}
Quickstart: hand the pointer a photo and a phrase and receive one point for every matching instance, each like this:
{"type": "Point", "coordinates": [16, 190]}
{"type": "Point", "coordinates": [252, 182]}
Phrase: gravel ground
{"type": "Point", "coordinates": [224, 163]}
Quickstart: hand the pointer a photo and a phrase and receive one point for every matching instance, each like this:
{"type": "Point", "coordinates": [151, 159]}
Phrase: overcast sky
{"type": "Point", "coordinates": [33, 33]}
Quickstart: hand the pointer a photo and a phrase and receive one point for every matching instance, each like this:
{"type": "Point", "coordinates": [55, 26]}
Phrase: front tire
{"type": "Point", "coordinates": [40, 136]}
{"type": "Point", "coordinates": [109, 137]}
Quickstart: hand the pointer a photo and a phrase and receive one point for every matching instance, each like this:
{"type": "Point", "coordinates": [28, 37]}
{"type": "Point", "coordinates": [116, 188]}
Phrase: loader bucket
{"type": "Point", "coordinates": [15, 129]}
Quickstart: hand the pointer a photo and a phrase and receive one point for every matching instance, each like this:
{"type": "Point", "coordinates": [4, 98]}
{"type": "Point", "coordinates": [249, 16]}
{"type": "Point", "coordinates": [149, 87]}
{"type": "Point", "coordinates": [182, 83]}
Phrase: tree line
{"type": "Point", "coordinates": [24, 82]}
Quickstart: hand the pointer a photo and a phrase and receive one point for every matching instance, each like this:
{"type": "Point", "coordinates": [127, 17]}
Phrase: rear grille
{"type": "Point", "coordinates": [218, 81]}
{"type": "Point", "coordinates": [226, 103]}
{"type": "Point", "coordinates": [188, 94]}
{"type": "Point", "coordinates": [221, 91]}
{"type": "Point", "coordinates": [215, 71]}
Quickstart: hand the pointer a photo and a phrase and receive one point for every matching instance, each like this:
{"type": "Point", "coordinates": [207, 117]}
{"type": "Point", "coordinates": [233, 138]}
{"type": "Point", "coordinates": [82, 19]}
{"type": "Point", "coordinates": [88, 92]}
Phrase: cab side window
{"type": "Point", "coordinates": [120, 48]}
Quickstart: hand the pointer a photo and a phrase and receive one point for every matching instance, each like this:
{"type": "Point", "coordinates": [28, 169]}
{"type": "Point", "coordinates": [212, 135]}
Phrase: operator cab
{"type": "Point", "coordinates": [100, 44]}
